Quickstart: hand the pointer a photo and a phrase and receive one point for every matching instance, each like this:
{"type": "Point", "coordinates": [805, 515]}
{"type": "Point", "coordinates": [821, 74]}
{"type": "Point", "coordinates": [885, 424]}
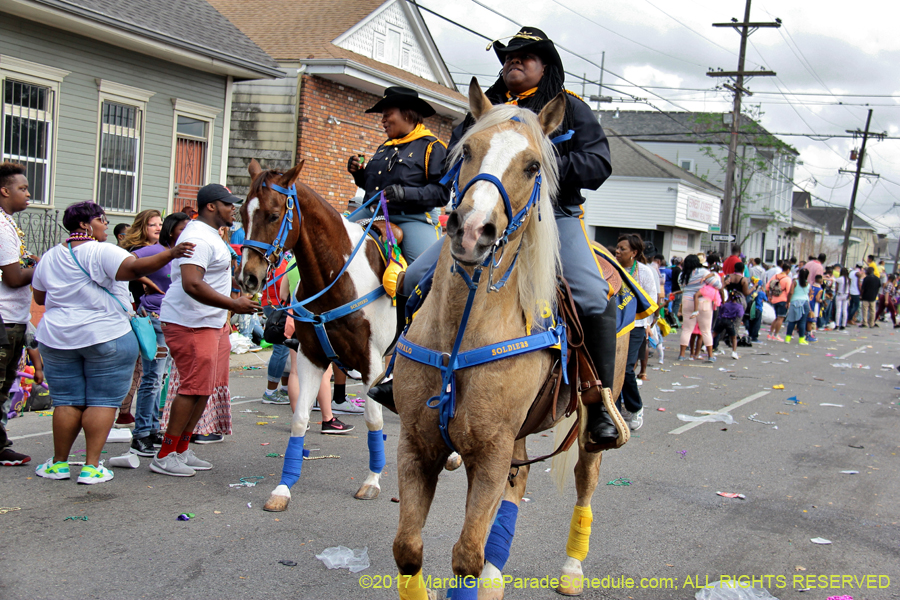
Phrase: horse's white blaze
{"type": "Point", "coordinates": [504, 147]}
{"type": "Point", "coordinates": [252, 207]}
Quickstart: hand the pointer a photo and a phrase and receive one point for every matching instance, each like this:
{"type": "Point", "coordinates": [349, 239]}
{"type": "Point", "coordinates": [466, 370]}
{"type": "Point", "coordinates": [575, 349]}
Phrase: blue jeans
{"type": "Point", "coordinates": [854, 307]}
{"type": "Point", "coordinates": [278, 366]}
{"type": "Point", "coordinates": [146, 410]}
{"type": "Point", "coordinates": [631, 395]}
{"type": "Point", "coordinates": [98, 375]}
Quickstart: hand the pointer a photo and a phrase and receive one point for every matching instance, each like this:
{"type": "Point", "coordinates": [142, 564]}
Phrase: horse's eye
{"type": "Point", "coordinates": [274, 218]}
{"type": "Point", "coordinates": [533, 169]}
{"type": "Point", "coordinates": [466, 153]}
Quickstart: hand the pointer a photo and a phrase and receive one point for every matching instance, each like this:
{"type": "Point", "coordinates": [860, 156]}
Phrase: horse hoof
{"type": "Point", "coordinates": [367, 492]}
{"type": "Point", "coordinates": [277, 503]}
{"type": "Point", "coordinates": [570, 584]}
{"type": "Point", "coordinates": [454, 461]}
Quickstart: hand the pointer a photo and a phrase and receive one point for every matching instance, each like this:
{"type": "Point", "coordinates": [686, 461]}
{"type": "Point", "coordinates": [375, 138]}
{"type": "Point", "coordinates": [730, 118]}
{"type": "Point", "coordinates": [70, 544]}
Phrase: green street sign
{"type": "Point", "coordinates": [714, 229]}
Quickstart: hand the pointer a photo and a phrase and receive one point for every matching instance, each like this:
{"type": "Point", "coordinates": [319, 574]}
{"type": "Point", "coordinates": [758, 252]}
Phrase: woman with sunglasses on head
{"type": "Point", "coordinates": [407, 168]}
{"type": "Point", "coordinates": [85, 336]}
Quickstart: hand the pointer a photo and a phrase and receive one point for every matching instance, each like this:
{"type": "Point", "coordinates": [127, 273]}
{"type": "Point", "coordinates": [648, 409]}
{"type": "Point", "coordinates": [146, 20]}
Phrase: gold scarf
{"type": "Point", "coordinates": [513, 99]}
{"type": "Point", "coordinates": [419, 132]}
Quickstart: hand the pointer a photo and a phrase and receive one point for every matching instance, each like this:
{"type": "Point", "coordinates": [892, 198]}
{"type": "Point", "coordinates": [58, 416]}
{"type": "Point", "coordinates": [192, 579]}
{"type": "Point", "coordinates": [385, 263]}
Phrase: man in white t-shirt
{"type": "Point", "coordinates": [16, 266]}
{"type": "Point", "coordinates": [193, 318]}
{"type": "Point", "coordinates": [857, 274]}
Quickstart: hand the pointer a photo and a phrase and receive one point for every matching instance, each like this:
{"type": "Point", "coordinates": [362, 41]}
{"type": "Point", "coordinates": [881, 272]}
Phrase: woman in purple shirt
{"type": "Point", "coordinates": [146, 414]}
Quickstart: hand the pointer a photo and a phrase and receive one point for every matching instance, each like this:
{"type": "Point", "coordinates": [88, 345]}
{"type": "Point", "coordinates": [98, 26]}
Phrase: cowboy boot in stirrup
{"type": "Point", "coordinates": [600, 342]}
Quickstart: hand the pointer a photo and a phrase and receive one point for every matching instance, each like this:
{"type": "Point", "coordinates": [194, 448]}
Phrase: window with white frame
{"type": "Point", "coordinates": [120, 146]}
{"type": "Point", "coordinates": [28, 106]}
{"type": "Point", "coordinates": [687, 164]}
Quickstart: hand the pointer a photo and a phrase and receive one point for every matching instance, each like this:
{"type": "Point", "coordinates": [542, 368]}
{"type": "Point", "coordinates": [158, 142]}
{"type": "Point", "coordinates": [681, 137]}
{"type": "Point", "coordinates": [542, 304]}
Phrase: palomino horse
{"type": "Point", "coordinates": [507, 148]}
{"type": "Point", "coordinates": [283, 213]}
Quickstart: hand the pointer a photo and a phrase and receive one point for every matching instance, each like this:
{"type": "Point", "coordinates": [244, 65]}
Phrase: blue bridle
{"type": "Point", "coordinates": [300, 312]}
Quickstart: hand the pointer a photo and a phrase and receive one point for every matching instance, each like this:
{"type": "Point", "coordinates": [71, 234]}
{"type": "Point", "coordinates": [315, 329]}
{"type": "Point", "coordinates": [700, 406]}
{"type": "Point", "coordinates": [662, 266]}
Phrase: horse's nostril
{"type": "Point", "coordinates": [453, 223]}
{"type": "Point", "coordinates": [252, 282]}
{"type": "Point", "coordinates": [489, 231]}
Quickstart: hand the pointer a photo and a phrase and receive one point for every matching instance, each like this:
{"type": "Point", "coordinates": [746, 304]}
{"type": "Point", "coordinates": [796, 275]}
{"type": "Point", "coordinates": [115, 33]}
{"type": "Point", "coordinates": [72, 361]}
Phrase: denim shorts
{"type": "Point", "coordinates": [781, 309]}
{"type": "Point", "coordinates": [98, 375]}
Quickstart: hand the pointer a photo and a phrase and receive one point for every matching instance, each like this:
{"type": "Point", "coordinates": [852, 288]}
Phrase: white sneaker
{"type": "Point", "coordinates": [351, 405]}
{"type": "Point", "coordinates": [90, 474]}
{"type": "Point", "coordinates": [354, 374]}
{"type": "Point", "coordinates": [734, 355]}
{"type": "Point", "coordinates": [171, 465]}
{"type": "Point", "coordinates": [637, 420]}
{"type": "Point", "coordinates": [190, 459]}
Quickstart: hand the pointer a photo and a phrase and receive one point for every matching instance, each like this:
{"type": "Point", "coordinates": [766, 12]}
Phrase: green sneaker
{"type": "Point", "coordinates": [803, 342]}
{"type": "Point", "coordinates": [264, 344]}
{"type": "Point", "coordinates": [787, 339]}
{"type": "Point", "coordinates": [52, 470]}
{"type": "Point", "coordinates": [91, 474]}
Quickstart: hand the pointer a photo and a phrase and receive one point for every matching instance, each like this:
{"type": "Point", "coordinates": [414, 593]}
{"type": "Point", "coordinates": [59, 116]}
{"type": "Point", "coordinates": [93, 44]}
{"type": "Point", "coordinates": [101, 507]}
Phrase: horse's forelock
{"type": "Point", "coordinates": [539, 255]}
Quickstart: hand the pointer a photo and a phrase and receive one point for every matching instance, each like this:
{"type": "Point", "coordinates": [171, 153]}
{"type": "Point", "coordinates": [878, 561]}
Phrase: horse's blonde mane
{"type": "Point", "coordinates": [539, 262]}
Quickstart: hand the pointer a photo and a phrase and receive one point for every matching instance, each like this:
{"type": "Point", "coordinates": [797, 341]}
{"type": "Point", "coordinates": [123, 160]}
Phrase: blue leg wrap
{"type": "Point", "coordinates": [293, 461]}
{"type": "Point", "coordinates": [496, 550]}
{"type": "Point", "coordinates": [376, 451]}
{"type": "Point", "coordinates": [466, 589]}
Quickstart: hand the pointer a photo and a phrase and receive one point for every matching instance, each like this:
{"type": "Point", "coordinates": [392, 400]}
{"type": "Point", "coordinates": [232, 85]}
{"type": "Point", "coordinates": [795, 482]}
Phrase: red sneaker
{"type": "Point", "coordinates": [8, 458]}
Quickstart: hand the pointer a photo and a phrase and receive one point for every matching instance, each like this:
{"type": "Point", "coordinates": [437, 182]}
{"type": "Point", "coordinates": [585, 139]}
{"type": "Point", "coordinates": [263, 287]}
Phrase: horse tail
{"type": "Point", "coordinates": [562, 466]}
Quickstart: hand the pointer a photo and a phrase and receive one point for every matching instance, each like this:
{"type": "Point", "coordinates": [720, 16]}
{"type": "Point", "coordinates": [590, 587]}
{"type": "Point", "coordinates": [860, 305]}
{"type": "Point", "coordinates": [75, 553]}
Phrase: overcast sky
{"type": "Point", "coordinates": [825, 47]}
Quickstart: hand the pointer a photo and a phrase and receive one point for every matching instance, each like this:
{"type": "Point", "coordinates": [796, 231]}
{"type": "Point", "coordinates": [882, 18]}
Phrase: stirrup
{"type": "Point", "coordinates": [618, 421]}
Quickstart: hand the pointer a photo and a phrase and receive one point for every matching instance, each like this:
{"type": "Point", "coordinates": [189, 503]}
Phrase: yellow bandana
{"type": "Point", "coordinates": [512, 99]}
{"type": "Point", "coordinates": [419, 132]}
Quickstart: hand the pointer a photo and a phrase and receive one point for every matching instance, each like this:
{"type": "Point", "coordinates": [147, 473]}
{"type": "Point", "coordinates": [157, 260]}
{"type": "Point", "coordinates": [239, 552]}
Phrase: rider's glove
{"type": "Point", "coordinates": [394, 193]}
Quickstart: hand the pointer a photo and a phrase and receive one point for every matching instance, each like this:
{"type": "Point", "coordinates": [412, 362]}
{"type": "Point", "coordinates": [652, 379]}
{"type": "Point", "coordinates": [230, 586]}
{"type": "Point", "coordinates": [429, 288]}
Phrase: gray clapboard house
{"type": "Point", "coordinates": [122, 102]}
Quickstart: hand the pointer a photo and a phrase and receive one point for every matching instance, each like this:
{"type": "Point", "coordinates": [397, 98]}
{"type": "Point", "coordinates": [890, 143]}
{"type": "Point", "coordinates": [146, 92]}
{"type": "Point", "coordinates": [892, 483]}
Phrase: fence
{"type": "Point", "coordinates": [42, 229]}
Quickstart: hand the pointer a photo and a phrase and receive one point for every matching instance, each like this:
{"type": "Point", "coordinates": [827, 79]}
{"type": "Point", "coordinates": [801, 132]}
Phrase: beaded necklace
{"type": "Point", "coordinates": [23, 251]}
{"type": "Point", "coordinates": [78, 236]}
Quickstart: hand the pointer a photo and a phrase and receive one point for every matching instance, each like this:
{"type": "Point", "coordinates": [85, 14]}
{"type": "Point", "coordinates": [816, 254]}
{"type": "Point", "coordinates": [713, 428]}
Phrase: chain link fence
{"type": "Point", "coordinates": [42, 229]}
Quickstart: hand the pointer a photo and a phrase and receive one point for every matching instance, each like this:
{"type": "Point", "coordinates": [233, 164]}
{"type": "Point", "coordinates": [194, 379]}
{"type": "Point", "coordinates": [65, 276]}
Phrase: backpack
{"type": "Point", "coordinates": [775, 286]}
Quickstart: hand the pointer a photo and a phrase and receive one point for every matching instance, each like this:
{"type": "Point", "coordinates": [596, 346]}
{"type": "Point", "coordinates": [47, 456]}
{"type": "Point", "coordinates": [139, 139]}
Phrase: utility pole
{"type": "Point", "coordinates": [859, 165]}
{"type": "Point", "coordinates": [744, 28]}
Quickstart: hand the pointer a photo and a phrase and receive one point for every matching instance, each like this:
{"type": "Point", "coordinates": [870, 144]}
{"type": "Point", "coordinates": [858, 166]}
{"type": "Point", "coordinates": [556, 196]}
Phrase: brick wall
{"type": "Point", "coordinates": [326, 147]}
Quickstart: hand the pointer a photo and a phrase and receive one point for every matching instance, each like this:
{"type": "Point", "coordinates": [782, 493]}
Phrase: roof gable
{"type": "Point", "coordinates": [388, 36]}
{"type": "Point", "coordinates": [306, 30]}
{"type": "Point", "coordinates": [192, 25]}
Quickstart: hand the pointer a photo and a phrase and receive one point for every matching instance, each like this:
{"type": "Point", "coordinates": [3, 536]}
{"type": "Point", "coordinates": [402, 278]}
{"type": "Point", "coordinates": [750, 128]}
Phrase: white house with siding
{"type": "Point", "coordinates": [669, 206]}
{"type": "Point", "coordinates": [698, 143]}
{"type": "Point", "coordinates": [122, 103]}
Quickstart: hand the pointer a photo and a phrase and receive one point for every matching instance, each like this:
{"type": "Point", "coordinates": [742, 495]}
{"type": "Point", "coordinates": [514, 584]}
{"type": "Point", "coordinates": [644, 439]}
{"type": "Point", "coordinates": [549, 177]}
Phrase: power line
{"type": "Point", "coordinates": [690, 29]}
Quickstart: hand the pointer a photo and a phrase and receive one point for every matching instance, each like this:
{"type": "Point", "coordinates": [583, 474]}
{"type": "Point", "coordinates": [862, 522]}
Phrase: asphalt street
{"type": "Point", "coordinates": [667, 532]}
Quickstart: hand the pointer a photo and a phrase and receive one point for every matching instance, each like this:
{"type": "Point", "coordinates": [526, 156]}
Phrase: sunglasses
{"type": "Point", "coordinates": [393, 158]}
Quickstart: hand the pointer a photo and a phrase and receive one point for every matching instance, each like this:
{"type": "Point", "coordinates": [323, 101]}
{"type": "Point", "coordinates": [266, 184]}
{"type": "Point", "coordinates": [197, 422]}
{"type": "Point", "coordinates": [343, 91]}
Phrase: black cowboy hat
{"type": "Point", "coordinates": [402, 97]}
{"type": "Point", "coordinates": [529, 39]}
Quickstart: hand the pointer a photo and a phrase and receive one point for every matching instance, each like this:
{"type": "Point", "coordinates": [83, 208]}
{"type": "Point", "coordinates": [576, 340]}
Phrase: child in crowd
{"type": "Point", "coordinates": [816, 293]}
{"type": "Point", "coordinates": [709, 294]}
{"type": "Point", "coordinates": [730, 316]}
{"type": "Point", "coordinates": [754, 313]}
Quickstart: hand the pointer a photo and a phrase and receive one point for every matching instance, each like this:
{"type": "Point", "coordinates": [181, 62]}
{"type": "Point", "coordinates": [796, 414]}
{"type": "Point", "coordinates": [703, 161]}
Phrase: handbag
{"type": "Point", "coordinates": [142, 327]}
{"type": "Point", "coordinates": [274, 329]}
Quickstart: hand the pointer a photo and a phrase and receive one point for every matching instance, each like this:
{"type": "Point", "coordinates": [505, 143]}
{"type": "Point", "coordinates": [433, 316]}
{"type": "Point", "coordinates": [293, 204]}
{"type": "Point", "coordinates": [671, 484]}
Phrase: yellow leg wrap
{"type": "Point", "coordinates": [579, 532]}
{"type": "Point", "coordinates": [412, 587]}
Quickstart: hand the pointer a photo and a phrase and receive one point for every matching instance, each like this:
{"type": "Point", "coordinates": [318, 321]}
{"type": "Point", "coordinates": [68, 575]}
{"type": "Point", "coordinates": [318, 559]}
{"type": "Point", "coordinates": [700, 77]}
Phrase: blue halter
{"type": "Point", "coordinates": [276, 248]}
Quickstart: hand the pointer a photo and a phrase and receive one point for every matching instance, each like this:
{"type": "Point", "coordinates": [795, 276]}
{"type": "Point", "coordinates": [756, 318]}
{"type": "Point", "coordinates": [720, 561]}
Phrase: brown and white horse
{"type": "Point", "coordinates": [322, 242]}
{"type": "Point", "coordinates": [492, 399]}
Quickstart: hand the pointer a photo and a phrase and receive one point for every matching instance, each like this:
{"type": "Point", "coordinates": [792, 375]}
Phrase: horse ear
{"type": "Point", "coordinates": [294, 174]}
{"type": "Point", "coordinates": [478, 102]}
{"type": "Point", "coordinates": [552, 115]}
{"type": "Point", "coordinates": [254, 168]}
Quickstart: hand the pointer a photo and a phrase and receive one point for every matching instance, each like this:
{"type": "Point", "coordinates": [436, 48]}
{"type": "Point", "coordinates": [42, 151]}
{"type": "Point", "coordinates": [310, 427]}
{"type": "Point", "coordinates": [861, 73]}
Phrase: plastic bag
{"type": "Point", "coordinates": [341, 557]}
{"type": "Point", "coordinates": [239, 343]}
{"type": "Point", "coordinates": [722, 417]}
{"type": "Point", "coordinates": [727, 589]}
{"type": "Point", "coordinates": [768, 313]}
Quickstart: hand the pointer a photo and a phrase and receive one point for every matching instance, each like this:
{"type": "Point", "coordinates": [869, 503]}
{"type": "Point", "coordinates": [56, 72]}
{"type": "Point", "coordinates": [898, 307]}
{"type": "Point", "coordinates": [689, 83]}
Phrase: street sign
{"type": "Point", "coordinates": [714, 229]}
{"type": "Point", "coordinates": [722, 237]}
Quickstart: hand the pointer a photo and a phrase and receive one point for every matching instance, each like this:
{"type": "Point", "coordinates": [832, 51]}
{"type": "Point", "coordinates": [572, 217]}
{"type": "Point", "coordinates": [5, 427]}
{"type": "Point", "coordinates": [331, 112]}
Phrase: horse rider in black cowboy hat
{"type": "Point", "coordinates": [532, 75]}
{"type": "Point", "coordinates": [407, 167]}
